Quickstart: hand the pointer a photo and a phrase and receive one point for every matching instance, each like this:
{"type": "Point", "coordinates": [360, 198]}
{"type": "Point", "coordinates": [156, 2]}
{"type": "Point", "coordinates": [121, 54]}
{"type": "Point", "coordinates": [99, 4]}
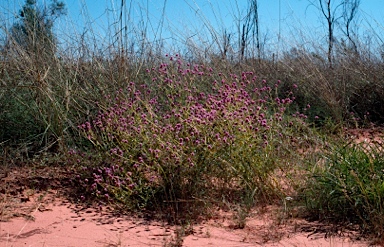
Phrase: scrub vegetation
{"type": "Point", "coordinates": [180, 131]}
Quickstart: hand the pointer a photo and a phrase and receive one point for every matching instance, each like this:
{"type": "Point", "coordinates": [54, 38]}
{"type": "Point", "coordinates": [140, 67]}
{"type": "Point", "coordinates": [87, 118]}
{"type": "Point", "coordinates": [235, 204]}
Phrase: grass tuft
{"type": "Point", "coordinates": [349, 187]}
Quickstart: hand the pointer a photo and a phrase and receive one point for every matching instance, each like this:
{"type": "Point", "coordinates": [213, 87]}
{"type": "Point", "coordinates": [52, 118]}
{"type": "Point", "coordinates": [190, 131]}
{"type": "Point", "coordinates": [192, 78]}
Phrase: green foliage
{"type": "Point", "coordinates": [18, 119]}
{"type": "Point", "coordinates": [349, 187]}
{"type": "Point", "coordinates": [369, 110]}
{"type": "Point", "coordinates": [33, 32]}
{"type": "Point", "coordinates": [32, 96]}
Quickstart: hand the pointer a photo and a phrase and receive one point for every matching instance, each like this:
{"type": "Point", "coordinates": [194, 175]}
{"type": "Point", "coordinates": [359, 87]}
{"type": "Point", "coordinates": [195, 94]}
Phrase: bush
{"type": "Point", "coordinates": [186, 132]}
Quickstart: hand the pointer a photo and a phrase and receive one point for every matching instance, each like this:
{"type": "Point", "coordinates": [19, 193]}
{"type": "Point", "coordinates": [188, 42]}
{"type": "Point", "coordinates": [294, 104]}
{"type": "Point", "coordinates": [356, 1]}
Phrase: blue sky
{"type": "Point", "coordinates": [296, 20]}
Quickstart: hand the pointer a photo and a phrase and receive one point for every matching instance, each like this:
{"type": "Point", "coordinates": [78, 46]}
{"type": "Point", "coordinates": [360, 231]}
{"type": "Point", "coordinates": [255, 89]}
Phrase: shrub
{"type": "Point", "coordinates": [187, 131]}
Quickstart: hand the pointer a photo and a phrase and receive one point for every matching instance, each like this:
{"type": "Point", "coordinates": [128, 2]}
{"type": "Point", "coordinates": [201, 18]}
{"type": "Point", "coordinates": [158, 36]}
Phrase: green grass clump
{"type": "Point", "coordinates": [349, 187]}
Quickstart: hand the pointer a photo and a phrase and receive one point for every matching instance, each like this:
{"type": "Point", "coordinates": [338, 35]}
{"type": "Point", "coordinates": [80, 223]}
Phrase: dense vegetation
{"type": "Point", "coordinates": [179, 132]}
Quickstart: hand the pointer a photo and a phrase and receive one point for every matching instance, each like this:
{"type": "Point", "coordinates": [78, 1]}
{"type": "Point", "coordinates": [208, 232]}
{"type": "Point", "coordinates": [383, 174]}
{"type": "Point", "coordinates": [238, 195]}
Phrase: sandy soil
{"type": "Point", "coordinates": [34, 212]}
{"type": "Point", "coordinates": [50, 221]}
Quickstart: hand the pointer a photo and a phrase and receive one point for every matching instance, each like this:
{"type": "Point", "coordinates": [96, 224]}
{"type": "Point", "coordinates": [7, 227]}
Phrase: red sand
{"type": "Point", "coordinates": [64, 224]}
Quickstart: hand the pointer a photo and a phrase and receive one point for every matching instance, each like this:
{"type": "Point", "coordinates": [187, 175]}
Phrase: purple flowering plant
{"type": "Point", "coordinates": [185, 130]}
